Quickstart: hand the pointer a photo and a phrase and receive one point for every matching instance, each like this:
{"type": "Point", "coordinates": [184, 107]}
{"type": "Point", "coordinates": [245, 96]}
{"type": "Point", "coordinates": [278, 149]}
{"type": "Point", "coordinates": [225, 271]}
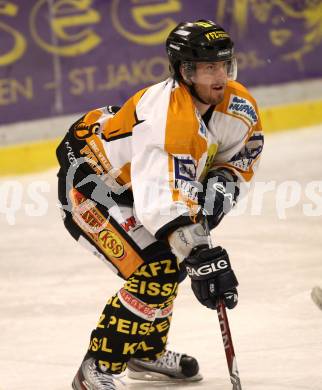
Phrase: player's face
{"type": "Point", "coordinates": [210, 80]}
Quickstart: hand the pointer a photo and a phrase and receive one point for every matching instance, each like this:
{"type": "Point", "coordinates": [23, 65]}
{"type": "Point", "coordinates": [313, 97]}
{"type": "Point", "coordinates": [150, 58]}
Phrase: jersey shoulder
{"type": "Point", "coordinates": [238, 89]}
{"type": "Point", "coordinates": [239, 103]}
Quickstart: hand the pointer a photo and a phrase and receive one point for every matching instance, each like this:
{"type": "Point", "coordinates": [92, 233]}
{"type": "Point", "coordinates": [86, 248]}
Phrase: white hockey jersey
{"type": "Point", "coordinates": [158, 146]}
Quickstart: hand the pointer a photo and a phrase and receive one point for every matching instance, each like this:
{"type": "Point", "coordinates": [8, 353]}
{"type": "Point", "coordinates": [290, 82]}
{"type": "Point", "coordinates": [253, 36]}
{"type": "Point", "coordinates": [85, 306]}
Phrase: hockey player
{"type": "Point", "coordinates": [133, 183]}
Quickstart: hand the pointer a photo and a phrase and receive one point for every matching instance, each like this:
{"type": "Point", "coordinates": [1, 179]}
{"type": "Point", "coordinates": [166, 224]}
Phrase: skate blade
{"type": "Point", "coordinates": [158, 377]}
{"type": "Point", "coordinates": [77, 383]}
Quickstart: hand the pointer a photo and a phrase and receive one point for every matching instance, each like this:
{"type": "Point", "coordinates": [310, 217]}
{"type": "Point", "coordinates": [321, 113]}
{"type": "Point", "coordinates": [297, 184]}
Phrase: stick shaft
{"type": "Point", "coordinates": [225, 330]}
{"type": "Point", "coordinates": [228, 345]}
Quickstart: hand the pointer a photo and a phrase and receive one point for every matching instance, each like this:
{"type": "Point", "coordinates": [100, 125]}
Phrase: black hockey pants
{"type": "Point", "coordinates": [136, 320]}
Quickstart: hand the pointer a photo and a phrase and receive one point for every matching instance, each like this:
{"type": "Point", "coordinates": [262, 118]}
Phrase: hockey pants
{"type": "Point", "coordinates": [136, 320]}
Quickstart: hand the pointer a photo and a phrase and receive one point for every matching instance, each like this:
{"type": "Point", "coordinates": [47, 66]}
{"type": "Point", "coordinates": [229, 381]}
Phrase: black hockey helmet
{"type": "Point", "coordinates": [200, 41]}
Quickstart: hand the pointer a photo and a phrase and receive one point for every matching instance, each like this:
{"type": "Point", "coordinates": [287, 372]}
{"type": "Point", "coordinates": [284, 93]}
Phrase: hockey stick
{"type": "Point", "coordinates": [228, 345]}
{"type": "Point", "coordinates": [225, 331]}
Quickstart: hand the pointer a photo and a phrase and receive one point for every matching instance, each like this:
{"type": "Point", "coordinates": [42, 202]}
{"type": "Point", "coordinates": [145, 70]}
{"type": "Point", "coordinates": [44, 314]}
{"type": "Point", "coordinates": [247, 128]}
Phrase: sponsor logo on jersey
{"type": "Point", "coordinates": [242, 108]}
{"type": "Point", "coordinates": [129, 224]}
{"type": "Point", "coordinates": [185, 171]}
{"type": "Point", "coordinates": [202, 129]}
{"type": "Point", "coordinates": [185, 168]}
{"type": "Point", "coordinates": [112, 244]}
{"type": "Point", "coordinates": [71, 155]}
{"type": "Point", "coordinates": [83, 130]}
{"type": "Point", "coordinates": [249, 153]}
{"type": "Point", "coordinates": [188, 191]}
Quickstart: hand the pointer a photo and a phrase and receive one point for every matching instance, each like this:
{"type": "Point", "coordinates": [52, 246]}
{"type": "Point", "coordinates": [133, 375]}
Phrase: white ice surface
{"type": "Point", "coordinates": [52, 291]}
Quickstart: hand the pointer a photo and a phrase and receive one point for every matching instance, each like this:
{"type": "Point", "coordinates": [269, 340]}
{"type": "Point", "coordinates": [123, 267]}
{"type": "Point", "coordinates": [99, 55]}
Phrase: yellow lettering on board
{"type": "Point", "coordinates": [154, 33]}
{"type": "Point", "coordinates": [19, 47]}
{"type": "Point", "coordinates": [63, 18]}
{"type": "Point", "coordinates": [12, 89]}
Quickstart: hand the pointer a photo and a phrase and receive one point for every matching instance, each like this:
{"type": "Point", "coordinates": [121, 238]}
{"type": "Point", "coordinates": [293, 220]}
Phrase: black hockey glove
{"type": "Point", "coordinates": [219, 195]}
{"type": "Point", "coordinates": [212, 277]}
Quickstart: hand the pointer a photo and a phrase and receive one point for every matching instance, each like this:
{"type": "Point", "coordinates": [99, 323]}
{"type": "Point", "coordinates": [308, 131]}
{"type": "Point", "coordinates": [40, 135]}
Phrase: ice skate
{"type": "Point", "coordinates": [316, 295]}
{"type": "Point", "coordinates": [91, 377]}
{"type": "Point", "coordinates": [172, 366]}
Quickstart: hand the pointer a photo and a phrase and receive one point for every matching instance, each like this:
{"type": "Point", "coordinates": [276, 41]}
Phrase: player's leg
{"type": "Point", "coordinates": [128, 322]}
{"type": "Point", "coordinates": [167, 365]}
{"type": "Point", "coordinates": [95, 229]}
{"type": "Point", "coordinates": [158, 363]}
{"type": "Point", "coordinates": [134, 327]}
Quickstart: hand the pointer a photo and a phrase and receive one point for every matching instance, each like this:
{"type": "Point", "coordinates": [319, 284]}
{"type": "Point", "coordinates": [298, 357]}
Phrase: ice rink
{"type": "Point", "coordinates": [52, 291]}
